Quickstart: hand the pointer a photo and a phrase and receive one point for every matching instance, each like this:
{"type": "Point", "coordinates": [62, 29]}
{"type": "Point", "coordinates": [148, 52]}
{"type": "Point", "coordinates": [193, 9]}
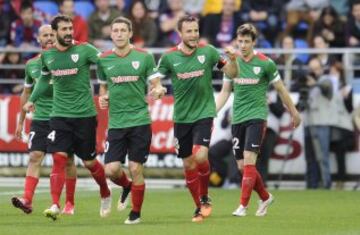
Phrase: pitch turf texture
{"type": "Point", "coordinates": [169, 211]}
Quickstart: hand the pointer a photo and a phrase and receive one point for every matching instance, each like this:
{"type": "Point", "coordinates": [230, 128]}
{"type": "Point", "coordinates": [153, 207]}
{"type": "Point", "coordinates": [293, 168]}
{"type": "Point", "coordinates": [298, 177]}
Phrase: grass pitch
{"type": "Point", "coordinates": [169, 212]}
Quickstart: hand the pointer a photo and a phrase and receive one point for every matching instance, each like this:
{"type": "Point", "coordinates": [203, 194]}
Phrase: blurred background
{"type": "Point", "coordinates": [315, 43]}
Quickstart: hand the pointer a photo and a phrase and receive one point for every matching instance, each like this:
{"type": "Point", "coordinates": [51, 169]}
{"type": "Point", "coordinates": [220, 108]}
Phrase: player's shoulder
{"type": "Point", "coordinates": [142, 51]}
{"type": "Point", "coordinates": [262, 57]}
{"type": "Point", "coordinates": [106, 53]}
{"type": "Point", "coordinates": [77, 43]}
{"type": "Point", "coordinates": [172, 50]}
{"type": "Point", "coordinates": [33, 60]}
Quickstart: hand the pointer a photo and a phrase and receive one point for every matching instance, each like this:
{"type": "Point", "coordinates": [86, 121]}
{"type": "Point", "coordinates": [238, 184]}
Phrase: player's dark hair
{"type": "Point", "coordinates": [247, 29]}
{"type": "Point", "coordinates": [186, 18]}
{"type": "Point", "coordinates": [59, 18]}
{"type": "Point", "coordinates": [123, 20]}
{"type": "Point", "coordinates": [61, 2]}
{"type": "Point", "coordinates": [26, 5]}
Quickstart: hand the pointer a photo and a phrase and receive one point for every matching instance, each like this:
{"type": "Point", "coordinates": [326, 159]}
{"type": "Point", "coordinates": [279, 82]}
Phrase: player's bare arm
{"type": "Point", "coordinates": [23, 99]}
{"type": "Point", "coordinates": [104, 96]}
{"type": "Point", "coordinates": [231, 69]}
{"type": "Point", "coordinates": [286, 99]}
{"type": "Point", "coordinates": [223, 95]}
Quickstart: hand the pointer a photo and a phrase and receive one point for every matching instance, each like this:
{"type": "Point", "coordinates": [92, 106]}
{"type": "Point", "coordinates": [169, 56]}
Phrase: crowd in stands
{"type": "Point", "coordinates": [282, 24]}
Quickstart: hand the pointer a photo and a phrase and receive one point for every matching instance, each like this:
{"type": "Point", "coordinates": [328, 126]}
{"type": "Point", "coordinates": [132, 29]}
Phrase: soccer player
{"type": "Point", "coordinates": [123, 73]}
{"type": "Point", "coordinates": [39, 131]}
{"type": "Point", "coordinates": [250, 113]}
{"type": "Point", "coordinates": [190, 66]}
{"type": "Point", "coordinates": [73, 116]}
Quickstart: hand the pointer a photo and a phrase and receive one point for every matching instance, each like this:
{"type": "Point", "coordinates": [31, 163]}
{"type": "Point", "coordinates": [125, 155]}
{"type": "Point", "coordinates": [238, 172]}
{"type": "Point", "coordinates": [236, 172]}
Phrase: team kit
{"type": "Point", "coordinates": [57, 90]}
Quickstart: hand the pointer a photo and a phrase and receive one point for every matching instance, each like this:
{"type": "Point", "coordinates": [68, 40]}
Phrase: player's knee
{"type": "Point", "coordinates": [110, 171]}
{"type": "Point", "coordinates": [189, 163]}
{"type": "Point", "coordinates": [135, 169]}
{"type": "Point", "coordinates": [35, 159]}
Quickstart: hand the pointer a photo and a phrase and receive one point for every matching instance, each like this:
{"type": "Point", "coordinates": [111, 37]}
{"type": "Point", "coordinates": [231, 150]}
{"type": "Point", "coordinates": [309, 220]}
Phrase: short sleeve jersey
{"type": "Point", "coordinates": [251, 86]}
{"type": "Point", "coordinates": [44, 103]}
{"type": "Point", "coordinates": [126, 78]}
{"type": "Point", "coordinates": [191, 77]}
{"type": "Point", "coordinates": [70, 73]}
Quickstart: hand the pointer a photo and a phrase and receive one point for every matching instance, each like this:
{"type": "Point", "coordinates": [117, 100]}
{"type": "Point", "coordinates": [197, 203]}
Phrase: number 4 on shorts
{"type": "Point", "coordinates": [51, 136]}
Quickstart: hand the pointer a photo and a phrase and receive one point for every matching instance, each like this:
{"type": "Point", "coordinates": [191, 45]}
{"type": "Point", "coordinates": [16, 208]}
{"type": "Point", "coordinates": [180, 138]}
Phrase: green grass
{"type": "Point", "coordinates": [169, 212]}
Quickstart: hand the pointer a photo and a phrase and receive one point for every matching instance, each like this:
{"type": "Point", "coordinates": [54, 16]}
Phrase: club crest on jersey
{"type": "Point", "coordinates": [75, 57]}
{"type": "Point", "coordinates": [135, 64]}
{"type": "Point", "coordinates": [201, 59]}
{"type": "Point", "coordinates": [257, 70]}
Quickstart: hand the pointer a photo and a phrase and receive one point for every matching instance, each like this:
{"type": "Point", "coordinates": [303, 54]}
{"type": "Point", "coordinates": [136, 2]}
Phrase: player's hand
{"type": "Point", "coordinates": [18, 132]}
{"type": "Point", "coordinates": [158, 92]}
{"type": "Point", "coordinates": [104, 101]}
{"type": "Point", "coordinates": [230, 52]}
{"type": "Point", "coordinates": [296, 119]}
{"type": "Point", "coordinates": [29, 107]}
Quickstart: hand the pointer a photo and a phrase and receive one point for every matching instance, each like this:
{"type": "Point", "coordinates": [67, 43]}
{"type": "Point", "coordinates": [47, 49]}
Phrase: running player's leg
{"type": "Point", "coordinates": [70, 184]}
{"type": "Point", "coordinates": [84, 146]}
{"type": "Point", "coordinates": [32, 178]}
{"type": "Point", "coordinates": [255, 134]}
{"type": "Point", "coordinates": [183, 146]}
{"type": "Point", "coordinates": [115, 153]}
{"type": "Point", "coordinates": [37, 146]}
{"type": "Point", "coordinates": [139, 146]}
{"type": "Point", "coordinates": [238, 133]}
{"type": "Point", "coordinates": [202, 133]}
{"type": "Point", "coordinates": [60, 143]}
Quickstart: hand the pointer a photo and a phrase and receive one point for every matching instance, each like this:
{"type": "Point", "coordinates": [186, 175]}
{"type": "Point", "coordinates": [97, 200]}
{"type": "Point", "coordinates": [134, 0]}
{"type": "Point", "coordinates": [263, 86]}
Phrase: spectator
{"type": "Point", "coordinates": [121, 5]}
{"type": "Point", "coordinates": [353, 26]}
{"type": "Point", "coordinates": [341, 7]}
{"type": "Point", "coordinates": [5, 19]}
{"type": "Point", "coordinates": [155, 6]}
{"type": "Point", "coordinates": [168, 22]}
{"type": "Point", "coordinates": [319, 122]}
{"type": "Point", "coordinates": [12, 58]}
{"type": "Point", "coordinates": [215, 6]}
{"type": "Point", "coordinates": [292, 68]}
{"type": "Point", "coordinates": [265, 15]}
{"type": "Point", "coordinates": [330, 27]}
{"type": "Point", "coordinates": [24, 30]}
{"type": "Point", "coordinates": [303, 11]}
{"type": "Point", "coordinates": [66, 7]}
{"type": "Point", "coordinates": [342, 132]}
{"type": "Point", "coordinates": [194, 7]}
{"type": "Point", "coordinates": [220, 29]}
{"type": "Point", "coordinates": [144, 28]}
{"type": "Point", "coordinates": [99, 24]}
{"type": "Point", "coordinates": [326, 60]}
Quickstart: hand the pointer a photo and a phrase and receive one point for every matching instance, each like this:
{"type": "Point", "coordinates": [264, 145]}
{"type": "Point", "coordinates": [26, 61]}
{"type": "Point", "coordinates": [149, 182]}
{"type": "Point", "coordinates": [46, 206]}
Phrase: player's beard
{"type": "Point", "coordinates": [190, 46]}
{"type": "Point", "coordinates": [62, 41]}
{"type": "Point", "coordinates": [49, 43]}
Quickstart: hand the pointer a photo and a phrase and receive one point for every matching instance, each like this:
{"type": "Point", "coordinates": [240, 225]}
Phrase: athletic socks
{"type": "Point", "coordinates": [29, 188]}
{"type": "Point", "coordinates": [137, 197]}
{"type": "Point", "coordinates": [98, 173]}
{"type": "Point", "coordinates": [192, 182]}
{"type": "Point", "coordinates": [204, 174]}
